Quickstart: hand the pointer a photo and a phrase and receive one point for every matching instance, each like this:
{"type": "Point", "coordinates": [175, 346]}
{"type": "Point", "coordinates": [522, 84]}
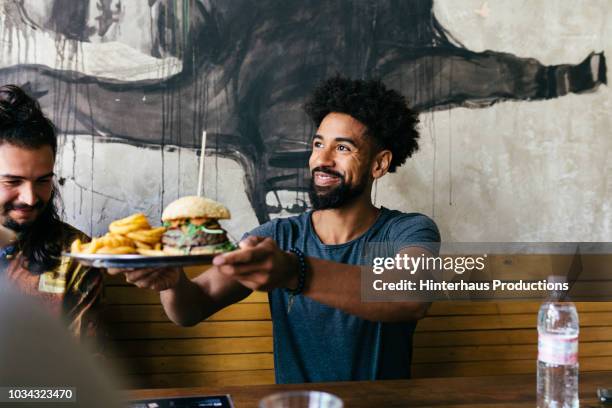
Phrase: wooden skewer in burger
{"type": "Point", "coordinates": [193, 228]}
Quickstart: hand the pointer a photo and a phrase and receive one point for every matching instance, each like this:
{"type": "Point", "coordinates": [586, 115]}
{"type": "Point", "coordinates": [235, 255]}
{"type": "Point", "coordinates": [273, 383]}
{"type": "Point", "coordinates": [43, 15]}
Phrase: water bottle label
{"type": "Point", "coordinates": [558, 349]}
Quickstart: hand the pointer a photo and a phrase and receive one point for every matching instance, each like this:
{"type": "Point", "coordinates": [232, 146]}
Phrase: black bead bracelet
{"type": "Point", "coordinates": [301, 277]}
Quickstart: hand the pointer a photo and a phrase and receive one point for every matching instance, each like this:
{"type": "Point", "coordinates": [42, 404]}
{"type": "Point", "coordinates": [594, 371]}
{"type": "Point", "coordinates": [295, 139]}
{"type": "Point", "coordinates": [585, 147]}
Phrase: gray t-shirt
{"type": "Point", "coordinates": [315, 342]}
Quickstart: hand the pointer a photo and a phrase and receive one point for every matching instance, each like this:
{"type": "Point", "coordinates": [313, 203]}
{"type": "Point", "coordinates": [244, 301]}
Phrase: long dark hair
{"type": "Point", "coordinates": [42, 242]}
{"type": "Point", "coordinates": [23, 124]}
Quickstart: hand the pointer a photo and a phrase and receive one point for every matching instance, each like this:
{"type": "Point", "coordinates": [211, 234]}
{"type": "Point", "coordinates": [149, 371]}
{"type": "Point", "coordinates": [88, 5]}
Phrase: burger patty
{"type": "Point", "coordinates": [176, 238]}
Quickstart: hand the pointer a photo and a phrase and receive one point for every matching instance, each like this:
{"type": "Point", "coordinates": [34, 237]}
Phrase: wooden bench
{"type": "Point", "coordinates": [234, 347]}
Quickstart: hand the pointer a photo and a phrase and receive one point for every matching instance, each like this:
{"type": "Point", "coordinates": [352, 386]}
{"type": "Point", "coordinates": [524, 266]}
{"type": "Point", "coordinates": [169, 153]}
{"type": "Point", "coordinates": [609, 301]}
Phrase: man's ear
{"type": "Point", "coordinates": [381, 163]}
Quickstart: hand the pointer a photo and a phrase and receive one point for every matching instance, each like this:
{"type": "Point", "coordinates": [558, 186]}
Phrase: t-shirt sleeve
{"type": "Point", "coordinates": [415, 230]}
{"type": "Point", "coordinates": [264, 230]}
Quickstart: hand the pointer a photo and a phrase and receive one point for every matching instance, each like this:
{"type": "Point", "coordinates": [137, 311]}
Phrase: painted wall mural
{"type": "Point", "coordinates": [159, 72]}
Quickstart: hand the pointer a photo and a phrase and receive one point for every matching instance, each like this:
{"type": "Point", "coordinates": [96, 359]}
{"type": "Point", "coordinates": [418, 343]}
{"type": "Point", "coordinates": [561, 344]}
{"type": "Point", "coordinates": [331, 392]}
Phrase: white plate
{"type": "Point", "coordinates": [139, 261]}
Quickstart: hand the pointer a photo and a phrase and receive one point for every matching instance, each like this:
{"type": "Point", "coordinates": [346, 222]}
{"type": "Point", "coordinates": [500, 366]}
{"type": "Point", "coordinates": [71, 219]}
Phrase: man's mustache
{"type": "Point", "coordinates": [10, 206]}
{"type": "Point", "coordinates": [329, 171]}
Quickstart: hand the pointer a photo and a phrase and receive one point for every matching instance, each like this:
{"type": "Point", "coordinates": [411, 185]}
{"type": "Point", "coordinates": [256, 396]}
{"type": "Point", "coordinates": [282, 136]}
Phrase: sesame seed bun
{"type": "Point", "coordinates": [195, 207]}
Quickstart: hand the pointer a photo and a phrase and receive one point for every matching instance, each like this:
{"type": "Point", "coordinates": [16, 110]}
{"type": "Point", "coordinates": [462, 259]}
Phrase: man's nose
{"type": "Point", "coordinates": [27, 194]}
{"type": "Point", "coordinates": [324, 158]}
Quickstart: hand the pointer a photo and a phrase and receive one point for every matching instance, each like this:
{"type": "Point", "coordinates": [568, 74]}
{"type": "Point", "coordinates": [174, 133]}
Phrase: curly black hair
{"type": "Point", "coordinates": [384, 112]}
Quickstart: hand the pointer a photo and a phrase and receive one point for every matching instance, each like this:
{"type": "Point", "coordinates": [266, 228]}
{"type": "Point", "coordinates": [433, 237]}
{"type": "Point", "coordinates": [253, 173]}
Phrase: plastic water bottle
{"type": "Point", "coordinates": [557, 353]}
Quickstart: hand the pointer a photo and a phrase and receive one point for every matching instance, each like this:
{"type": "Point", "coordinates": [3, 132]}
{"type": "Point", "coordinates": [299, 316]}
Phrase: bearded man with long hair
{"type": "Point", "coordinates": [32, 234]}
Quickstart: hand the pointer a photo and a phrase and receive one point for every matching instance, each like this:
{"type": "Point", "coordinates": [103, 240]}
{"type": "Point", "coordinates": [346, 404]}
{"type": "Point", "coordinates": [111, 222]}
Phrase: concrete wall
{"type": "Point", "coordinates": [518, 171]}
{"type": "Point", "coordinates": [515, 171]}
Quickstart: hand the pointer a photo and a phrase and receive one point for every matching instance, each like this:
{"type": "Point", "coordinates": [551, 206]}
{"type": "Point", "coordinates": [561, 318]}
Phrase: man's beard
{"type": "Point", "coordinates": [22, 227]}
{"type": "Point", "coordinates": [40, 240]}
{"type": "Point", "coordinates": [322, 198]}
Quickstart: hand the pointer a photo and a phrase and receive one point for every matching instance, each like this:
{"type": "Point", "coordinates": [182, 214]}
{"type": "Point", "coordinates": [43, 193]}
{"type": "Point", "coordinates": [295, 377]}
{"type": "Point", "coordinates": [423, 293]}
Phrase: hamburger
{"type": "Point", "coordinates": [192, 227]}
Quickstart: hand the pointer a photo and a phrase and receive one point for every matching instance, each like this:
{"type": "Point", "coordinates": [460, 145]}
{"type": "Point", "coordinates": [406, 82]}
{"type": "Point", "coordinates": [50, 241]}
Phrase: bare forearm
{"type": "Point", "coordinates": [191, 301]}
{"type": "Point", "coordinates": [262, 265]}
{"type": "Point", "coordinates": [339, 285]}
{"type": "Point", "coordinates": [186, 304]}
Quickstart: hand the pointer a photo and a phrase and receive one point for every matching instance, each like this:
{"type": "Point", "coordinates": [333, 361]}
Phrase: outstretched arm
{"type": "Point", "coordinates": [191, 301]}
{"type": "Point", "coordinates": [187, 301]}
{"type": "Point", "coordinates": [263, 266]}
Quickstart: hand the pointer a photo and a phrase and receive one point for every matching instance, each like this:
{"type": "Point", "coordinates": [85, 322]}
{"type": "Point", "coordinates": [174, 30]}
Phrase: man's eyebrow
{"type": "Point", "coordinates": [345, 140]}
{"type": "Point", "coordinates": [338, 139]}
{"type": "Point", "coordinates": [48, 175]}
{"type": "Point", "coordinates": [14, 177]}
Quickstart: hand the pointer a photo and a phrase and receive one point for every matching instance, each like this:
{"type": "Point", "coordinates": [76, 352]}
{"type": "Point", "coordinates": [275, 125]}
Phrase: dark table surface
{"type": "Point", "coordinates": [491, 391]}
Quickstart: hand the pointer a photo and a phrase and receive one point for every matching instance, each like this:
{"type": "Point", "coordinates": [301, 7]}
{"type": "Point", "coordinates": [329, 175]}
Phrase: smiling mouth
{"type": "Point", "coordinates": [325, 179]}
{"type": "Point", "coordinates": [24, 212]}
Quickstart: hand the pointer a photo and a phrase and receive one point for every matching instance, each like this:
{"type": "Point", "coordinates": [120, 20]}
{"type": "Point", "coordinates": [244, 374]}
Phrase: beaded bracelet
{"type": "Point", "coordinates": [301, 277]}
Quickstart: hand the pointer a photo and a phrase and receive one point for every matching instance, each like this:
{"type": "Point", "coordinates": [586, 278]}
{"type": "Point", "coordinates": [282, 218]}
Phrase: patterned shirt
{"type": "Point", "coordinates": [70, 291]}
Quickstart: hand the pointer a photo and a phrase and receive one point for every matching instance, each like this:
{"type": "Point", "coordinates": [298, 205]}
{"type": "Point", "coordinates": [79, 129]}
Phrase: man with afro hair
{"type": "Point", "coordinates": [309, 264]}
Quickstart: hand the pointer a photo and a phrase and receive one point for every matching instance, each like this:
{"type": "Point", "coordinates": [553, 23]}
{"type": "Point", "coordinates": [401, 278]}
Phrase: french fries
{"type": "Point", "coordinates": [150, 236]}
{"type": "Point", "coordinates": [142, 245]}
{"type": "Point", "coordinates": [112, 240]}
{"type": "Point", "coordinates": [122, 250]}
{"type": "Point", "coordinates": [130, 235]}
{"type": "Point", "coordinates": [151, 252]}
{"type": "Point", "coordinates": [129, 224]}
